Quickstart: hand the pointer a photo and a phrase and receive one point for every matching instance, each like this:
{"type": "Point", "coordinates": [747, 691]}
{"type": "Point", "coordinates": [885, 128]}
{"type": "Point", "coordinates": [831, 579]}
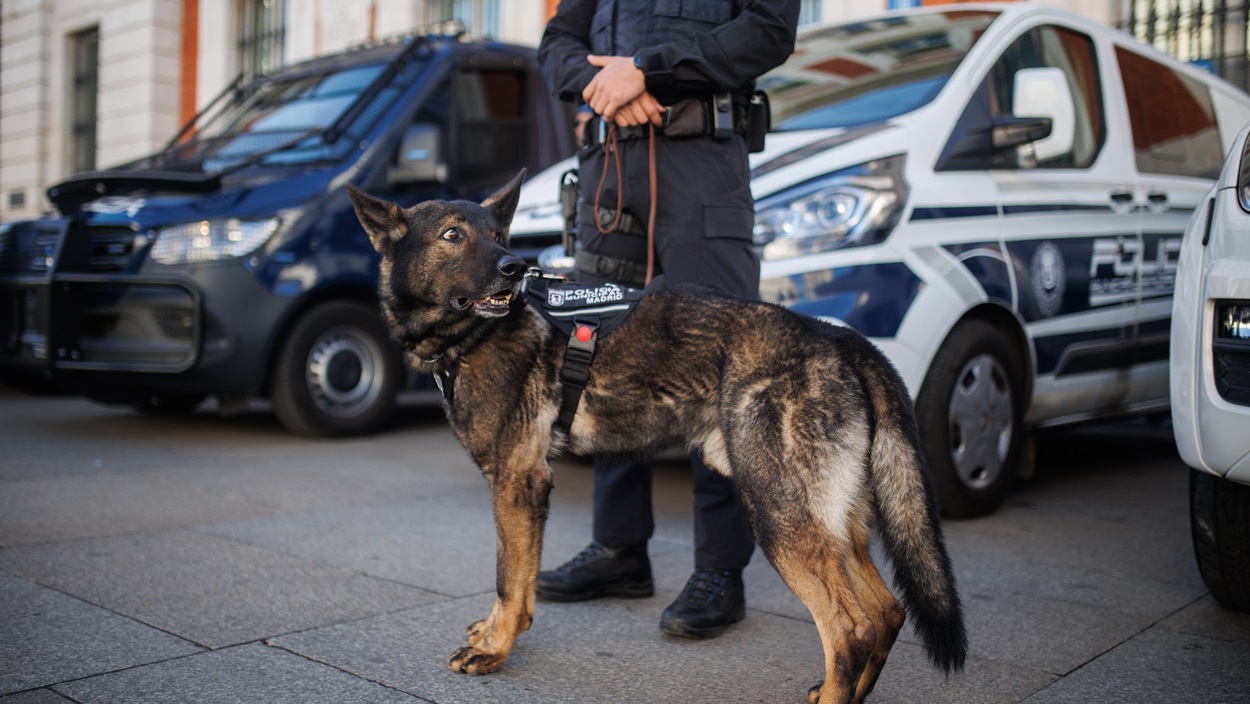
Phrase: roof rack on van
{"type": "Point", "coordinates": [447, 29]}
{"type": "Point", "coordinates": [170, 169]}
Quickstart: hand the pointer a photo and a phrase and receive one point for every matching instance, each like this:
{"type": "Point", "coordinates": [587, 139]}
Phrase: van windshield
{"type": "Point", "coordinates": [870, 71]}
{"type": "Point", "coordinates": [297, 118]}
{"type": "Point", "coordinates": [279, 112]}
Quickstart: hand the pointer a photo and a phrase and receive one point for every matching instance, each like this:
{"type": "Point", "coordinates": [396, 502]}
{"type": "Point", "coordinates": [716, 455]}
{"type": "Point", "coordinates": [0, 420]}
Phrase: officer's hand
{"type": "Point", "coordinates": [616, 85]}
{"type": "Point", "coordinates": [641, 110]}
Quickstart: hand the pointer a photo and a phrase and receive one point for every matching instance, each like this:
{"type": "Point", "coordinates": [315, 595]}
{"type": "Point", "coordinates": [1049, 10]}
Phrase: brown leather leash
{"type": "Point", "coordinates": [611, 142]}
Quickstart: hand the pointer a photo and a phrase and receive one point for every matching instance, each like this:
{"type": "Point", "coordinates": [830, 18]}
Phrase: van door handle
{"type": "Point", "coordinates": [1158, 200]}
{"type": "Point", "coordinates": [1121, 202]}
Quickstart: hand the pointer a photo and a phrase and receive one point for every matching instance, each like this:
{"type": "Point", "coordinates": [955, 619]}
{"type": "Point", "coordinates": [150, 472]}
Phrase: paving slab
{"type": "Point", "coordinates": [1131, 549]}
{"type": "Point", "coordinates": [976, 572]}
{"type": "Point", "coordinates": [439, 545]}
{"type": "Point", "coordinates": [909, 678]}
{"type": "Point", "coordinates": [66, 436]}
{"type": "Point", "coordinates": [1158, 666]}
{"type": "Point", "coordinates": [1043, 634]}
{"type": "Point", "coordinates": [40, 511]}
{"type": "Point", "coordinates": [609, 651]}
{"type": "Point", "coordinates": [48, 637]}
{"type": "Point", "coordinates": [248, 673]}
{"type": "Point", "coordinates": [444, 545]}
{"type": "Point", "coordinates": [209, 590]}
{"type": "Point", "coordinates": [1205, 617]}
{"type": "Point", "coordinates": [35, 696]}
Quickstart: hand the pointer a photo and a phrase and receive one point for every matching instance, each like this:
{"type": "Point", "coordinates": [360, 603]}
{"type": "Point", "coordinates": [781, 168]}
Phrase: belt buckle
{"type": "Point", "coordinates": [604, 267]}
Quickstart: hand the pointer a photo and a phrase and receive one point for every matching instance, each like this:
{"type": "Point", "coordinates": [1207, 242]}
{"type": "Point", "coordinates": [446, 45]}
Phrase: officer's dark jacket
{"type": "Point", "coordinates": [688, 48]}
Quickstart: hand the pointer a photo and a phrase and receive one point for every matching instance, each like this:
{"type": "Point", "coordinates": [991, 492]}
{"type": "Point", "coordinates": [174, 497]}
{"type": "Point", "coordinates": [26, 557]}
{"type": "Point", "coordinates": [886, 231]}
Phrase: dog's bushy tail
{"type": "Point", "coordinates": [907, 517]}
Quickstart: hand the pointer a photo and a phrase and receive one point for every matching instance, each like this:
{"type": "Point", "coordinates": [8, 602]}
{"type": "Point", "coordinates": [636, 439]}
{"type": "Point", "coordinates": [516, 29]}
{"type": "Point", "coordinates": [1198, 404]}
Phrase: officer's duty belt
{"type": "Point", "coordinates": [621, 271]}
{"type": "Point", "coordinates": [628, 224]}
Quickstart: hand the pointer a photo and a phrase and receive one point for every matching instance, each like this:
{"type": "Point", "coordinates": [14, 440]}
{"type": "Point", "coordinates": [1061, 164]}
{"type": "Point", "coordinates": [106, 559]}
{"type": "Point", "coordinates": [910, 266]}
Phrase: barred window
{"type": "Point", "coordinates": [262, 32]}
{"type": "Point", "coordinates": [1212, 34]}
{"type": "Point", "coordinates": [480, 17]}
{"type": "Point", "coordinates": [85, 87]}
{"type": "Point", "coordinates": [809, 12]}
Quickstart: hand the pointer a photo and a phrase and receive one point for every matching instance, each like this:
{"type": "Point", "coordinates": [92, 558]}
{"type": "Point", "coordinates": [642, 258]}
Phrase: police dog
{"type": "Point", "coordinates": [810, 421]}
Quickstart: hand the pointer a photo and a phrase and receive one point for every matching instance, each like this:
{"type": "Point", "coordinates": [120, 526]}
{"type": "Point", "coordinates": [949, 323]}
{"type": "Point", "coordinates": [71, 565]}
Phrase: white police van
{"type": "Point", "coordinates": [995, 194]}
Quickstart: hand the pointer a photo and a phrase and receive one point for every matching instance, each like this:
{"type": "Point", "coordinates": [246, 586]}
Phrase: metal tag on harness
{"type": "Point", "coordinates": [568, 209]}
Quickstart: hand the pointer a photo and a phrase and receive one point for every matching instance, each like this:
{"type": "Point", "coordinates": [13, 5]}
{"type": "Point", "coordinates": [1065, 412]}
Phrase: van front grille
{"type": "Point", "coordinates": [111, 248]}
{"type": "Point", "coordinates": [28, 250]}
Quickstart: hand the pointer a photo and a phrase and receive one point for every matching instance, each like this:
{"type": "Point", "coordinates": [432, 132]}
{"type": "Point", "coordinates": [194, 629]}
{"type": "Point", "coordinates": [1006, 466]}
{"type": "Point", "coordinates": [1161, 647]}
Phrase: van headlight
{"type": "Point", "coordinates": [211, 240]}
{"type": "Point", "coordinates": [854, 206]}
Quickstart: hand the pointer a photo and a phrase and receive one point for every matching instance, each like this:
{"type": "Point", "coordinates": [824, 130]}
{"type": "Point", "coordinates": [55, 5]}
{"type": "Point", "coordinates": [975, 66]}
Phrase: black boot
{"type": "Point", "coordinates": [711, 601]}
{"type": "Point", "coordinates": [599, 571]}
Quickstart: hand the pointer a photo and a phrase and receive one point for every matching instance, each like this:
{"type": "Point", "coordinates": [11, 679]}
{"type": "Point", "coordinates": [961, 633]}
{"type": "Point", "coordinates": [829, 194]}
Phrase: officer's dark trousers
{"type": "Point", "coordinates": [703, 236]}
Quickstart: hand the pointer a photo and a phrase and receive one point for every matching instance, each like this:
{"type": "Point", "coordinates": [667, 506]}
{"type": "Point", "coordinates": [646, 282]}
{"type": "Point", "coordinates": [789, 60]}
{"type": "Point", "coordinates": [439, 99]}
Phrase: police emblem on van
{"type": "Point", "coordinates": [1050, 280]}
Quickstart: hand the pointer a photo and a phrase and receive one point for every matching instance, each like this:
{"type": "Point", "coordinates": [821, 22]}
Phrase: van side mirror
{"type": "Point", "coordinates": [1009, 132]}
{"type": "Point", "coordinates": [1044, 94]}
{"type": "Point", "coordinates": [420, 156]}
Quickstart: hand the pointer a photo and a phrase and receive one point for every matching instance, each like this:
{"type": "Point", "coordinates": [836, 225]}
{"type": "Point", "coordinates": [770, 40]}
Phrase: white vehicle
{"type": "Point", "coordinates": [1211, 379]}
{"type": "Point", "coordinates": [995, 194]}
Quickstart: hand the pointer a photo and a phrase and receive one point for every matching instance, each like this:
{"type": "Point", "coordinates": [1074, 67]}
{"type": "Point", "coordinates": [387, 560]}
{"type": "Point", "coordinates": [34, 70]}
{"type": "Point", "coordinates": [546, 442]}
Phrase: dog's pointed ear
{"type": "Point", "coordinates": [504, 201]}
{"type": "Point", "coordinates": [383, 221]}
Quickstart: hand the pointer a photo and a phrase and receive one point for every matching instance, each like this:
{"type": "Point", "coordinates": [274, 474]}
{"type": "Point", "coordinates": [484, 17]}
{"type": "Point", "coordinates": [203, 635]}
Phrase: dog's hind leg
{"type": "Point", "coordinates": [815, 568]}
{"type": "Point", "coordinates": [879, 605]}
{"type": "Point", "coordinates": [520, 508]}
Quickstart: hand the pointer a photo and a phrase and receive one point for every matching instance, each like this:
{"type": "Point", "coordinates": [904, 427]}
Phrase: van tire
{"type": "Point", "coordinates": [970, 409]}
{"type": "Point", "coordinates": [337, 372]}
{"type": "Point", "coordinates": [1219, 516]}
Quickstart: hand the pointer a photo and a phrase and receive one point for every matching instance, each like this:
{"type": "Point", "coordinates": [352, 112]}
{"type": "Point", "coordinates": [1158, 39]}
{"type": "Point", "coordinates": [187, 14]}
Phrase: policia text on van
{"type": "Point", "coordinates": [231, 263]}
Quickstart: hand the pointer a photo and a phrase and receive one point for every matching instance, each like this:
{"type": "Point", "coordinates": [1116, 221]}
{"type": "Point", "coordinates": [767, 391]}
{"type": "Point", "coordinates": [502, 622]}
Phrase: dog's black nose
{"type": "Point", "coordinates": [511, 265]}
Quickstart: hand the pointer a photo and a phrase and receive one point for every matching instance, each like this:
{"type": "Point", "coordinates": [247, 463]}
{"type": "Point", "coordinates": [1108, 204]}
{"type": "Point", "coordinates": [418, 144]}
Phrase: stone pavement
{"type": "Point", "coordinates": [223, 560]}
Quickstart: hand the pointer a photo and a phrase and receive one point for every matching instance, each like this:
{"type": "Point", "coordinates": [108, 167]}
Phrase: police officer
{"type": "Point", "coordinates": [688, 70]}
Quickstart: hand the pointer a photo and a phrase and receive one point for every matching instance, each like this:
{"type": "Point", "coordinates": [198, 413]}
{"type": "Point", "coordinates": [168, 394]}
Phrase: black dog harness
{"type": "Point", "coordinates": [584, 313]}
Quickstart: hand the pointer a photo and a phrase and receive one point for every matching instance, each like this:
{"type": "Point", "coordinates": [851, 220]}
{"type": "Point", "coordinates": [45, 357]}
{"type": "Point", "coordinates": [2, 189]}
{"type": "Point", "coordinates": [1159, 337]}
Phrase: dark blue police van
{"type": "Point", "coordinates": [231, 262]}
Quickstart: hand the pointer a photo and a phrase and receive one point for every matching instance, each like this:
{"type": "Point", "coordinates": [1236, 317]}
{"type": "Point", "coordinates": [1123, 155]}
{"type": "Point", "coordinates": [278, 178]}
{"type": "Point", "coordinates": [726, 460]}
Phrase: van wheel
{"type": "Point", "coordinates": [337, 372]}
{"type": "Point", "coordinates": [1219, 515]}
{"type": "Point", "coordinates": [970, 410]}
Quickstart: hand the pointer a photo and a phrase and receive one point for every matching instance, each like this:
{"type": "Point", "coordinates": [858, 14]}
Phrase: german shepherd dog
{"type": "Point", "coordinates": [810, 421]}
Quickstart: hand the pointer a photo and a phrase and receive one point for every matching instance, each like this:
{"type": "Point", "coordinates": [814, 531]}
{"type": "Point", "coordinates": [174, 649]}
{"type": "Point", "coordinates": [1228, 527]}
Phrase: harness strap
{"type": "Point", "coordinates": [576, 370]}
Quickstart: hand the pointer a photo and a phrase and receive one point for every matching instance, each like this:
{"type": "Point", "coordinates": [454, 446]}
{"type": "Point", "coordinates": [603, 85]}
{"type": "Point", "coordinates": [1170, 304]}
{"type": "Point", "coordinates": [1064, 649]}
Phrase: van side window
{"type": "Point", "coordinates": [493, 121]}
{"type": "Point", "coordinates": [1172, 118]}
{"type": "Point", "coordinates": [970, 147]}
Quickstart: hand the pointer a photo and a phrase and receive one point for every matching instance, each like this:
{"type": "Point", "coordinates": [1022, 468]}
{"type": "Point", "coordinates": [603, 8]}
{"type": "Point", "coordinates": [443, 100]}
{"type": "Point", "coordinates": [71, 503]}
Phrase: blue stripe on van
{"type": "Point", "coordinates": [1096, 350]}
{"type": "Point", "coordinates": [987, 264]}
{"type": "Point", "coordinates": [945, 212]}
{"type": "Point", "coordinates": [1053, 208]}
{"type": "Point", "coordinates": [872, 298]}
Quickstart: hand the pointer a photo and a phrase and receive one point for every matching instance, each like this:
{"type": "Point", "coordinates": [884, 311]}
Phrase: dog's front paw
{"type": "Point", "coordinates": [472, 661]}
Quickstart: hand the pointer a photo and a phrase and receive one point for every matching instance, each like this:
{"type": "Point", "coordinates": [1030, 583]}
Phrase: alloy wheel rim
{"type": "Point", "coordinates": [981, 422]}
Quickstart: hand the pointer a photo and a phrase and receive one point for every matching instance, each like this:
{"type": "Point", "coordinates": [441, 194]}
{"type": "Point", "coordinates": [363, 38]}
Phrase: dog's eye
{"type": "Point", "coordinates": [498, 236]}
{"type": "Point", "coordinates": [451, 234]}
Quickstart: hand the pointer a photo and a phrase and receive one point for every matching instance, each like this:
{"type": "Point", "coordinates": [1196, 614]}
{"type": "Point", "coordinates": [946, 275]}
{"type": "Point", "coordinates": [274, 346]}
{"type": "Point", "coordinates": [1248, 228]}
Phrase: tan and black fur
{"type": "Point", "coordinates": [810, 420]}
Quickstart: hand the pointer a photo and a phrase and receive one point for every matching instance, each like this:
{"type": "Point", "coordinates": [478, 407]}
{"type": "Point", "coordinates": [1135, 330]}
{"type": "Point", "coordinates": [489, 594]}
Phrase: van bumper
{"type": "Point", "coordinates": [122, 337]}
